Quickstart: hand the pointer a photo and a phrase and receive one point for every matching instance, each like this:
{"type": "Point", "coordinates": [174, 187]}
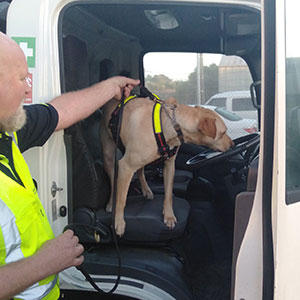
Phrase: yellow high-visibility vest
{"type": "Point", "coordinates": [24, 226]}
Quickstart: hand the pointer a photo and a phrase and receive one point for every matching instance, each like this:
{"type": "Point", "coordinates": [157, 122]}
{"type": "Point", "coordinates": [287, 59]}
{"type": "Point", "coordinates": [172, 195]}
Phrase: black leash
{"type": "Point", "coordinates": [83, 270]}
{"type": "Point", "coordinates": [115, 239]}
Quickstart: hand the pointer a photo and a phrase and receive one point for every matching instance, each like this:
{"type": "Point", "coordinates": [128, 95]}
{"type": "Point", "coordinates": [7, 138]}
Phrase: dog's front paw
{"type": "Point", "coordinates": [148, 194]}
{"type": "Point", "coordinates": [170, 220]}
{"type": "Point", "coordinates": [120, 226]}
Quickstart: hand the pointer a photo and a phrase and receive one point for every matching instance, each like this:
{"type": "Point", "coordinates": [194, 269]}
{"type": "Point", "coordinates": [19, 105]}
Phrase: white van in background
{"type": "Point", "coordinates": [236, 125]}
{"type": "Point", "coordinates": [238, 102]}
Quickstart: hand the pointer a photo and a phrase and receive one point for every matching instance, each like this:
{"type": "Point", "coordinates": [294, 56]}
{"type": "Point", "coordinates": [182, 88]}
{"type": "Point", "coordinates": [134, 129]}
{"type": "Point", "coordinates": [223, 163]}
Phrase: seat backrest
{"type": "Point", "coordinates": [106, 69]}
{"type": "Point", "coordinates": [76, 66]}
{"type": "Point", "coordinates": [90, 185]}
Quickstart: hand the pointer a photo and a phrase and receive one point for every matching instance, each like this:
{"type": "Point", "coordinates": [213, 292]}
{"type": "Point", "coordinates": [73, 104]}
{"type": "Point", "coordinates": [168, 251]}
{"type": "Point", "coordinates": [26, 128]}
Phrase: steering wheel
{"type": "Point", "coordinates": [210, 156]}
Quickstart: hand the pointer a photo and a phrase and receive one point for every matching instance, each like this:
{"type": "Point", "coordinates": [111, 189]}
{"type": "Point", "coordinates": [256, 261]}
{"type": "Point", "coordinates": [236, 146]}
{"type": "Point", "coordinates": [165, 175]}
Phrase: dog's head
{"type": "Point", "coordinates": [211, 130]}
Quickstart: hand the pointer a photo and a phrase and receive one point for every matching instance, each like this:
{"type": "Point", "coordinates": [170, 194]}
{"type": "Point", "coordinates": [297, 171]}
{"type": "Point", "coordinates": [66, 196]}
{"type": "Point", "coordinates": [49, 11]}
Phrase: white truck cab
{"type": "Point", "coordinates": [237, 235]}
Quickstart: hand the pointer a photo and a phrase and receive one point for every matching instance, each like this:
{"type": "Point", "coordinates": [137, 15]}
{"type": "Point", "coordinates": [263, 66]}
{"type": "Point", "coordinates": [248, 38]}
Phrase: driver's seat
{"type": "Point", "coordinates": [90, 185]}
{"type": "Point", "coordinates": [143, 217]}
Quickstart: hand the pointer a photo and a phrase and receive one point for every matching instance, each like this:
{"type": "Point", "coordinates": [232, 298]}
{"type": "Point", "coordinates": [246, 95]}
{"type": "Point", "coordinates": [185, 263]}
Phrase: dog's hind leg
{"type": "Point", "coordinates": [125, 174]}
{"type": "Point", "coordinates": [108, 147]}
{"type": "Point", "coordinates": [169, 170]}
{"type": "Point", "coordinates": [144, 185]}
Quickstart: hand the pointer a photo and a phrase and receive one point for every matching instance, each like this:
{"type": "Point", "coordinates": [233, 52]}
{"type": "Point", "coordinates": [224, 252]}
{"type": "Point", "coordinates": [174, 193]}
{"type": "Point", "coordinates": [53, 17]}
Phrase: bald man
{"type": "Point", "coordinates": [30, 256]}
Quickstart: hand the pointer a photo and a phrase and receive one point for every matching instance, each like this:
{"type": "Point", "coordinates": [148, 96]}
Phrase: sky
{"type": "Point", "coordinates": [176, 66]}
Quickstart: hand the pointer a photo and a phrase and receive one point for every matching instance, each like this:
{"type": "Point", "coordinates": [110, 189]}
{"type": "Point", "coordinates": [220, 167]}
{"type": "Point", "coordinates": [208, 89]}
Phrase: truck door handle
{"type": "Point", "coordinates": [55, 188]}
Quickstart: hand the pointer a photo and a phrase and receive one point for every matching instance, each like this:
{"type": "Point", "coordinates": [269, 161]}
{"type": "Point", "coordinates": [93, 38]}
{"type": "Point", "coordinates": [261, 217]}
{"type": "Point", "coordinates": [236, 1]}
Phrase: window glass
{"type": "Point", "coordinates": [242, 104]}
{"type": "Point", "coordinates": [292, 100]}
{"type": "Point", "coordinates": [194, 79]}
{"type": "Point", "coordinates": [220, 102]}
{"type": "Point", "coordinates": [228, 114]}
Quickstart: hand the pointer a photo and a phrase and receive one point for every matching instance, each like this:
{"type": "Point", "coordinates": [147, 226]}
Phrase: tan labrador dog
{"type": "Point", "coordinates": [199, 126]}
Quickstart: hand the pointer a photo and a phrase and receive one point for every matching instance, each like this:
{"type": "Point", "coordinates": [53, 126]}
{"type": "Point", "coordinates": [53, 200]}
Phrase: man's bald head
{"type": "Point", "coordinates": [6, 41]}
{"type": "Point", "coordinates": [13, 84]}
{"type": "Point", "coordinates": [4, 37]}
{"type": "Point", "coordinates": [10, 50]}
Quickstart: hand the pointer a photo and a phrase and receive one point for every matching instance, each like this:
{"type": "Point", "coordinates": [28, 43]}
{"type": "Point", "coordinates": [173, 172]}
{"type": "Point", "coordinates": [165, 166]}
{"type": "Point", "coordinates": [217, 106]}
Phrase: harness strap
{"type": "Point", "coordinates": [114, 121]}
{"type": "Point", "coordinates": [146, 93]}
{"type": "Point", "coordinates": [163, 148]}
{"type": "Point", "coordinates": [127, 100]}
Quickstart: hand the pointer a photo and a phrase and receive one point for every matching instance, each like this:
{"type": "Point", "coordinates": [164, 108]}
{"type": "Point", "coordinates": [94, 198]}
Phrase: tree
{"type": "Point", "coordinates": [161, 85]}
{"type": "Point", "coordinates": [211, 81]}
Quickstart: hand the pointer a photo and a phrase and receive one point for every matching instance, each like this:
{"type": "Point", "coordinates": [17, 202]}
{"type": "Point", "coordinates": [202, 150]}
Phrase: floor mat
{"type": "Point", "coordinates": [212, 282]}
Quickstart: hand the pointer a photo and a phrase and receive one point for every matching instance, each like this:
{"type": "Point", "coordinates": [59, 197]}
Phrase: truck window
{"type": "Point", "coordinates": [200, 79]}
{"type": "Point", "coordinates": [193, 78]}
{"type": "Point", "coordinates": [292, 103]}
{"type": "Point", "coordinates": [220, 102]}
{"type": "Point", "coordinates": [242, 104]}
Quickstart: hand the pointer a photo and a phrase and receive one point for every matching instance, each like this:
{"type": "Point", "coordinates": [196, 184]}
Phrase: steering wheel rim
{"type": "Point", "coordinates": [210, 156]}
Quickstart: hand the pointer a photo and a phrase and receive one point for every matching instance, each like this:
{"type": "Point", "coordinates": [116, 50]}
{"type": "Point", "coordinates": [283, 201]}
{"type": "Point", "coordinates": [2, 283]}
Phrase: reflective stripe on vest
{"type": "Point", "coordinates": [24, 227]}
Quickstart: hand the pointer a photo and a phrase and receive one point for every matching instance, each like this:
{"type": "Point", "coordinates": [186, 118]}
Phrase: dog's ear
{"type": "Point", "coordinates": [208, 127]}
{"type": "Point", "coordinates": [171, 100]}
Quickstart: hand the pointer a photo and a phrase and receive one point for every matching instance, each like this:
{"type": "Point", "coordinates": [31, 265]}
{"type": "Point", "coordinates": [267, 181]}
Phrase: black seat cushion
{"type": "Point", "coordinates": [180, 183]}
{"type": "Point", "coordinates": [144, 219]}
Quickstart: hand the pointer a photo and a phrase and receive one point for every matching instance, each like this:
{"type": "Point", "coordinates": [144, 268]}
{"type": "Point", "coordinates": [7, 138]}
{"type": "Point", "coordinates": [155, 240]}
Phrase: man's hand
{"type": "Point", "coordinates": [62, 252]}
{"type": "Point", "coordinates": [54, 256]}
{"type": "Point", "coordinates": [122, 85]}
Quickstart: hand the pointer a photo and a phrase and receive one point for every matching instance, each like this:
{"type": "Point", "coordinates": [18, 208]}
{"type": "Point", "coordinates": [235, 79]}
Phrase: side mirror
{"type": "Point", "coordinates": [253, 93]}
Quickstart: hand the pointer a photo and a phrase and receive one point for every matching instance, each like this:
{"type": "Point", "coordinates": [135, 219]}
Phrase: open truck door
{"type": "Point", "coordinates": [267, 253]}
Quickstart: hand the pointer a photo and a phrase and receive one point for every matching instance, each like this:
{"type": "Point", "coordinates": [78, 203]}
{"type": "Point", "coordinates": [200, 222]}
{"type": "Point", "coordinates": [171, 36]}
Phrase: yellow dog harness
{"type": "Point", "coordinates": [163, 148]}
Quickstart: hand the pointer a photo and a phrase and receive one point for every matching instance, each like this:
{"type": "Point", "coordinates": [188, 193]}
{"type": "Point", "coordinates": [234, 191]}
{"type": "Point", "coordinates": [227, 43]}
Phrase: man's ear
{"type": "Point", "coordinates": [171, 100]}
{"type": "Point", "coordinates": [208, 127]}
